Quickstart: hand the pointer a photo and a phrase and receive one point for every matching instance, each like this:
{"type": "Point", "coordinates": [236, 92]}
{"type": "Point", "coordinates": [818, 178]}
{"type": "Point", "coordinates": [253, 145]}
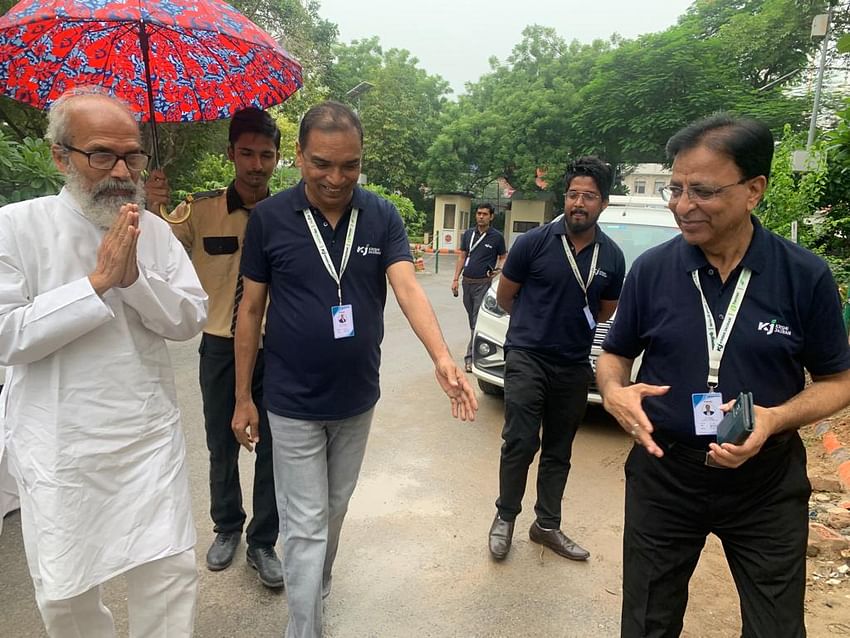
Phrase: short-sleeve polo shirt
{"type": "Point", "coordinates": [548, 313]}
{"type": "Point", "coordinates": [790, 319]}
{"type": "Point", "coordinates": [485, 253]}
{"type": "Point", "coordinates": [309, 374]}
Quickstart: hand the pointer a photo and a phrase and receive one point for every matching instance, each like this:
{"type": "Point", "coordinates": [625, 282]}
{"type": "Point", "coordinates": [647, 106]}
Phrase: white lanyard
{"type": "Point", "coordinates": [474, 244]}
{"type": "Point", "coordinates": [717, 340]}
{"type": "Point", "coordinates": [584, 286]}
{"type": "Point", "coordinates": [323, 250]}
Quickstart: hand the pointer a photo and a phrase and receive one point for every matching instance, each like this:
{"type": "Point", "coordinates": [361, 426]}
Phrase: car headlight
{"type": "Point", "coordinates": [491, 305]}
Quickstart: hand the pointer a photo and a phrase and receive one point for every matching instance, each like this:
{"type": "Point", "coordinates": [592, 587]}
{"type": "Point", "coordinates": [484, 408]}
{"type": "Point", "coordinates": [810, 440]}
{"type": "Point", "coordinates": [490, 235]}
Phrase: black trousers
{"type": "Point", "coordinates": [473, 295]}
{"type": "Point", "coordinates": [547, 396]}
{"type": "Point", "coordinates": [758, 511]}
{"type": "Point", "coordinates": [218, 383]}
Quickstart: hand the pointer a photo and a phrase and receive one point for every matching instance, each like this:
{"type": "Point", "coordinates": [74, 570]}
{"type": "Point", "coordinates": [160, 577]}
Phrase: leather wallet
{"type": "Point", "coordinates": [738, 423]}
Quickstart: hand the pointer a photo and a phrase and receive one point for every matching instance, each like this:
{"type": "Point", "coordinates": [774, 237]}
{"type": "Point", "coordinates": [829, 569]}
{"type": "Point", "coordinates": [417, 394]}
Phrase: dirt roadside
{"type": "Point", "coordinates": [828, 586]}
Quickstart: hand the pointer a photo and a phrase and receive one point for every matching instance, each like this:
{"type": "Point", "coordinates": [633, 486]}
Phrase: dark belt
{"type": "Point", "coordinates": [476, 280]}
{"type": "Point", "coordinates": [700, 457]}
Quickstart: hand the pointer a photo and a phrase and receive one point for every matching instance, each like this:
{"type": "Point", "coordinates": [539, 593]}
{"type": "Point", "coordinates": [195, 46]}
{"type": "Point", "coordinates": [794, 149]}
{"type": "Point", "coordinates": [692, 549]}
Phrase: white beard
{"type": "Point", "coordinates": [98, 203]}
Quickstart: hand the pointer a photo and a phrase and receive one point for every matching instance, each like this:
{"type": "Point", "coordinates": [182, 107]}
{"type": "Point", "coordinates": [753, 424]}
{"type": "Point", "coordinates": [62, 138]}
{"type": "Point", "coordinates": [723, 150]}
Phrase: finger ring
{"type": "Point", "coordinates": [635, 430]}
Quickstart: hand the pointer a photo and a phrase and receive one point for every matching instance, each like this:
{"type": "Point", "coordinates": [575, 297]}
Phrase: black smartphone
{"type": "Point", "coordinates": [738, 423]}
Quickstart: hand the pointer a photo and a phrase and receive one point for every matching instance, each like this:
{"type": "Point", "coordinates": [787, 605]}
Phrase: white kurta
{"type": "Point", "coordinates": [92, 426]}
{"type": "Point", "coordinates": [8, 490]}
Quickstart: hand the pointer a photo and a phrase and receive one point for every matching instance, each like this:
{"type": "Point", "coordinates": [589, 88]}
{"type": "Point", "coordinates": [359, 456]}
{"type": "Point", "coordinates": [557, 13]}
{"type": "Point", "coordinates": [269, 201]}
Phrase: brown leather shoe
{"type": "Point", "coordinates": [558, 542]}
{"type": "Point", "coordinates": [501, 533]}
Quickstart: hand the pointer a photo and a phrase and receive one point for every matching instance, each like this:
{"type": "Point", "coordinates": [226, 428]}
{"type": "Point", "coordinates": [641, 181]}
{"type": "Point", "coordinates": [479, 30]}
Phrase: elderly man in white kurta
{"type": "Point", "coordinates": [90, 288]}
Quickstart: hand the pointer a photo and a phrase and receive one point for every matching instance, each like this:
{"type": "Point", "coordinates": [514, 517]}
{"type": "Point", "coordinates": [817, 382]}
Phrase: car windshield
{"type": "Point", "coordinates": [634, 239]}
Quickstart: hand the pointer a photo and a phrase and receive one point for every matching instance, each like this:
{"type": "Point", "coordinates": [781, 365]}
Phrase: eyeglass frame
{"type": "Point", "coordinates": [117, 157]}
{"type": "Point", "coordinates": [585, 195]}
{"type": "Point", "coordinates": [713, 192]}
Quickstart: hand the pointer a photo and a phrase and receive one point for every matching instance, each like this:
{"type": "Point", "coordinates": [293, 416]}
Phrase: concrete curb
{"type": "Point", "coordinates": [837, 451]}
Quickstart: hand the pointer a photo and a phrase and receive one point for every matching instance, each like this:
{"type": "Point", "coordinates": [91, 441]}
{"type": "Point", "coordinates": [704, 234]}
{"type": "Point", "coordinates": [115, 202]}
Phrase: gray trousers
{"type": "Point", "coordinates": [316, 465]}
{"type": "Point", "coordinates": [473, 295]}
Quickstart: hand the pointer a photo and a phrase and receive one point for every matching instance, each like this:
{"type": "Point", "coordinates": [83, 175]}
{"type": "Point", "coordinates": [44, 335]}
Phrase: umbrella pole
{"type": "Point", "coordinates": [145, 46]}
{"type": "Point", "coordinates": [143, 42]}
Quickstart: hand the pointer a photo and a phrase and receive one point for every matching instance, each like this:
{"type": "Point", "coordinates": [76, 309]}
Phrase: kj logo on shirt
{"type": "Point", "coordinates": [368, 250]}
{"type": "Point", "coordinates": [771, 327]}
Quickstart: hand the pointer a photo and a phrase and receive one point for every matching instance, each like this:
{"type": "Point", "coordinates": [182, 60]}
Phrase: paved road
{"type": "Point", "coordinates": [413, 560]}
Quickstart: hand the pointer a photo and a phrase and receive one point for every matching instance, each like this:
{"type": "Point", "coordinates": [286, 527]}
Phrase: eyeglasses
{"type": "Point", "coordinates": [586, 196]}
{"type": "Point", "coordinates": [106, 161]}
{"type": "Point", "coordinates": [696, 193]}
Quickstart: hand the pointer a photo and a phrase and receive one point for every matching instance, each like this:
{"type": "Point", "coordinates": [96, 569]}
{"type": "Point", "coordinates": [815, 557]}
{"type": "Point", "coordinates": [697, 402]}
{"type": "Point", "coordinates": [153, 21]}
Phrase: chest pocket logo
{"type": "Point", "coordinates": [221, 245]}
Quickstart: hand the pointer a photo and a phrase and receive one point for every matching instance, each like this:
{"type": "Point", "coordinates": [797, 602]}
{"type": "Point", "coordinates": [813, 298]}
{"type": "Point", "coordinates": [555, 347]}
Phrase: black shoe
{"type": "Point", "coordinates": [558, 542]}
{"type": "Point", "coordinates": [267, 564]}
{"type": "Point", "coordinates": [222, 550]}
{"type": "Point", "coordinates": [501, 533]}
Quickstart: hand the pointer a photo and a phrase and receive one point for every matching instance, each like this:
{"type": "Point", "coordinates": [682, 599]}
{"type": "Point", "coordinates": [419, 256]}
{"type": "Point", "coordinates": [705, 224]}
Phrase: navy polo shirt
{"type": "Point", "coordinates": [486, 252]}
{"type": "Point", "coordinates": [308, 374]}
{"type": "Point", "coordinates": [790, 319]}
{"type": "Point", "coordinates": [548, 314]}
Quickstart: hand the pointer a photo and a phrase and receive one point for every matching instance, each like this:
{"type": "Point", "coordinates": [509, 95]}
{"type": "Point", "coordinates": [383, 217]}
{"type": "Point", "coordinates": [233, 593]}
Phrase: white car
{"type": "Point", "coordinates": [635, 224]}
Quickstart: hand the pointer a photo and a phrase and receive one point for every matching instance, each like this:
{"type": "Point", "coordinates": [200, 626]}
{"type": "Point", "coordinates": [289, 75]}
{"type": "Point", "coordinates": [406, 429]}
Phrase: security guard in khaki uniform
{"type": "Point", "coordinates": [213, 235]}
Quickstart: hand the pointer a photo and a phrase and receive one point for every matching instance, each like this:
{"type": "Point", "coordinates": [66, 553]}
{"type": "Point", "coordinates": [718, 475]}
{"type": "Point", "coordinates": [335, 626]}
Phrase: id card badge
{"type": "Point", "coordinates": [707, 412]}
{"type": "Point", "coordinates": [466, 263]}
{"type": "Point", "coordinates": [589, 316]}
{"type": "Point", "coordinates": [343, 320]}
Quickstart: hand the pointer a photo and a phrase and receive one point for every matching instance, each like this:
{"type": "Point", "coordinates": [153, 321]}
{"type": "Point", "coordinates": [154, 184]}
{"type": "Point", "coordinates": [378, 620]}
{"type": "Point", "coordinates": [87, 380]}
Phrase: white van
{"type": "Point", "coordinates": [635, 224]}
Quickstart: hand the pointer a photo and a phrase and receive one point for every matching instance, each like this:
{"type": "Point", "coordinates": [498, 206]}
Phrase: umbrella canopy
{"type": "Point", "coordinates": [171, 60]}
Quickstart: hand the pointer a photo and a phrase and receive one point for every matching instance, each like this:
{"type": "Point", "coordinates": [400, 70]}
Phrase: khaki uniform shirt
{"type": "Point", "coordinates": [213, 235]}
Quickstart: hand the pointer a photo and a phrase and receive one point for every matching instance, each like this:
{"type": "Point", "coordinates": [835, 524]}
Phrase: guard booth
{"type": "Point", "coordinates": [527, 210]}
{"type": "Point", "coordinates": [451, 218]}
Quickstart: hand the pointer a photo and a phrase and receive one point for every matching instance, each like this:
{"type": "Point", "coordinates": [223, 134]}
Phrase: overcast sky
{"type": "Point", "coordinates": [455, 38]}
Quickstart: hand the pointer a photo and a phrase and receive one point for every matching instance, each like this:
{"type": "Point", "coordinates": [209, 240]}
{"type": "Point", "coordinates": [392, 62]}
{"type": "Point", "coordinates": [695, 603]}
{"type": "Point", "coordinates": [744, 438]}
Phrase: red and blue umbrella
{"type": "Point", "coordinates": [170, 60]}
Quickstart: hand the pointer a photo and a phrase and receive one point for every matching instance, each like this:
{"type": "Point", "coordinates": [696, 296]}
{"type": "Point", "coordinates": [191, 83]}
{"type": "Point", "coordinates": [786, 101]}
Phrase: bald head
{"type": "Point", "coordinates": [82, 107]}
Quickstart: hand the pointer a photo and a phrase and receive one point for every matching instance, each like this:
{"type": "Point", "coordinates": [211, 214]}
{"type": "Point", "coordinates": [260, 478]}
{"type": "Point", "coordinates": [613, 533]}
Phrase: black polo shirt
{"type": "Point", "coordinates": [486, 252]}
{"type": "Point", "coordinates": [790, 319]}
{"type": "Point", "coordinates": [309, 374]}
{"type": "Point", "coordinates": [547, 315]}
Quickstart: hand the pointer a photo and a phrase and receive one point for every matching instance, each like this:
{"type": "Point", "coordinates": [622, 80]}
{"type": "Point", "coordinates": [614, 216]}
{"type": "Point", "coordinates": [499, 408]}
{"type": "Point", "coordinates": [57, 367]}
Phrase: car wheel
{"type": "Point", "coordinates": [489, 388]}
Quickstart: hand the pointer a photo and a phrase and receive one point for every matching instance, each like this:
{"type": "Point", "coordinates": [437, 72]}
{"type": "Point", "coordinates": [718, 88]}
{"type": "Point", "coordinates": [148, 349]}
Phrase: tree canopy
{"type": "Point", "coordinates": [548, 101]}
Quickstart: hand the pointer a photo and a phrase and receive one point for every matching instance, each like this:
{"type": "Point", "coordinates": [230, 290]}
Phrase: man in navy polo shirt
{"type": "Point", "coordinates": [324, 251]}
{"type": "Point", "coordinates": [482, 251]}
{"type": "Point", "coordinates": [724, 308]}
{"type": "Point", "coordinates": [559, 280]}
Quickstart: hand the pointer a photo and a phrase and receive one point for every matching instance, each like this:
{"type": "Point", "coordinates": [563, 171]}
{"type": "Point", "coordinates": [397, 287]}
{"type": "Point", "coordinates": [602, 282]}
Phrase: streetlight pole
{"type": "Point", "coordinates": [354, 94]}
{"type": "Point", "coordinates": [357, 91]}
{"type": "Point", "coordinates": [819, 84]}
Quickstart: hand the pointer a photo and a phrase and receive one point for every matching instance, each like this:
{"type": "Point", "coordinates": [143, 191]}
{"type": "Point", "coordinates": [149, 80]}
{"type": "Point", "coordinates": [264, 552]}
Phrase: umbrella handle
{"type": "Point", "coordinates": [163, 212]}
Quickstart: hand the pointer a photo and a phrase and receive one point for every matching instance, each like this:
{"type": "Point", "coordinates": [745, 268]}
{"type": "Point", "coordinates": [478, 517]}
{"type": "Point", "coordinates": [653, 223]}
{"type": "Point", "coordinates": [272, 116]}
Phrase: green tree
{"type": "Point", "coordinates": [399, 114]}
{"type": "Point", "coordinates": [835, 197]}
{"type": "Point", "coordinates": [718, 58]}
{"type": "Point", "coordinates": [414, 220]}
{"type": "Point", "coordinates": [515, 120]}
{"type": "Point", "coordinates": [620, 99]}
{"type": "Point", "coordinates": [793, 196]}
